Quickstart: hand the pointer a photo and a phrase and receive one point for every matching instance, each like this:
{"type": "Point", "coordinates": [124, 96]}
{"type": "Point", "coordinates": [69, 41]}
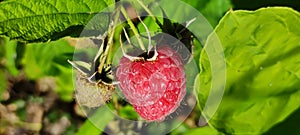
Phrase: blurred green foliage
{"type": "Point", "coordinates": [50, 59]}
{"type": "Point", "coordinates": [3, 79]}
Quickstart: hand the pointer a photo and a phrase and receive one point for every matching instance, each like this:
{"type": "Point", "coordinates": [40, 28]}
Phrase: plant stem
{"type": "Point", "coordinates": [110, 35]}
{"type": "Point", "coordinates": [134, 29]}
{"type": "Point", "coordinates": [116, 45]}
{"type": "Point", "coordinates": [147, 9]}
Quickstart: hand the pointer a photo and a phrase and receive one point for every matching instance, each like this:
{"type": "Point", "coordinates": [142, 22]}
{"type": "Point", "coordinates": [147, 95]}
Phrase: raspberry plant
{"type": "Point", "coordinates": [262, 66]}
{"type": "Point", "coordinates": [154, 82]}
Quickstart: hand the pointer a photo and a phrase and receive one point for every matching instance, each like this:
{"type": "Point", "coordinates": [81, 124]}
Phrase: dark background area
{"type": "Point", "coordinates": [255, 4]}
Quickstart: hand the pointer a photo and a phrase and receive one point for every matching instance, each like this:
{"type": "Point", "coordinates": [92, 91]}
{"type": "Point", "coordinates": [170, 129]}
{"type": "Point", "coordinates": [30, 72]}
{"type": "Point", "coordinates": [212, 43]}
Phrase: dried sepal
{"type": "Point", "coordinates": [151, 48]}
{"type": "Point", "coordinates": [94, 85]}
{"type": "Point", "coordinates": [92, 94]}
{"type": "Point", "coordinates": [178, 31]}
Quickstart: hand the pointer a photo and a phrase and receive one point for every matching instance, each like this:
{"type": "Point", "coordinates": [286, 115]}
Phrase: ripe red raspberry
{"type": "Point", "coordinates": [154, 88]}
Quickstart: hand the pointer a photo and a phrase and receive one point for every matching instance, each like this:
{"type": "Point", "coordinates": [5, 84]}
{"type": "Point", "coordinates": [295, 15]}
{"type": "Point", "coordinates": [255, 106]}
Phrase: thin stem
{"type": "Point", "coordinates": [134, 29]}
{"type": "Point", "coordinates": [126, 35]}
{"type": "Point", "coordinates": [148, 33]}
{"type": "Point", "coordinates": [110, 41]}
{"type": "Point", "coordinates": [147, 9]}
{"type": "Point", "coordinates": [150, 46]}
{"type": "Point", "coordinates": [101, 50]}
{"type": "Point", "coordinates": [131, 58]}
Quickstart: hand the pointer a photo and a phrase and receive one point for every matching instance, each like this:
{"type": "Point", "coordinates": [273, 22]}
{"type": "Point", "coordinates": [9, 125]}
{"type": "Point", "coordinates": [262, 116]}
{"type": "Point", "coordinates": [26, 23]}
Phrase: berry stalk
{"type": "Point", "coordinates": [110, 35]}
{"type": "Point", "coordinates": [133, 28]}
{"type": "Point", "coordinates": [147, 10]}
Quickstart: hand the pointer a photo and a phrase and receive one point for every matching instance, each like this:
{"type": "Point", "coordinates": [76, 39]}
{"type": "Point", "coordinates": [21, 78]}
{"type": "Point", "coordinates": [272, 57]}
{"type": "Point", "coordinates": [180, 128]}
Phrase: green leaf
{"type": "Point", "coordinates": [96, 123]}
{"type": "Point", "coordinates": [181, 128]}
{"type": "Point", "coordinates": [288, 126]}
{"type": "Point", "coordinates": [203, 131]}
{"type": "Point", "coordinates": [9, 55]}
{"type": "Point", "coordinates": [212, 10]}
{"type": "Point", "coordinates": [128, 112]}
{"type": "Point", "coordinates": [42, 59]}
{"type": "Point", "coordinates": [88, 127]}
{"type": "Point", "coordinates": [42, 20]}
{"type": "Point", "coordinates": [262, 66]}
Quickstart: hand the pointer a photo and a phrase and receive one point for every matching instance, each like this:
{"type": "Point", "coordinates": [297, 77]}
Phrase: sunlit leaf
{"type": "Point", "coordinates": [262, 67]}
{"type": "Point", "coordinates": [42, 20]}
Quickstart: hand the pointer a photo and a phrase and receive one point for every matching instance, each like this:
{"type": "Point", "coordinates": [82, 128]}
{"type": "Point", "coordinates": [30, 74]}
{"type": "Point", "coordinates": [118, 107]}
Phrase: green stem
{"type": "Point", "coordinates": [147, 9]}
{"type": "Point", "coordinates": [110, 35]}
{"type": "Point", "coordinates": [112, 50]}
{"type": "Point", "coordinates": [134, 29]}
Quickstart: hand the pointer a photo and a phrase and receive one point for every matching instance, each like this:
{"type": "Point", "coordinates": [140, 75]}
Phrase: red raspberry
{"type": "Point", "coordinates": [154, 88]}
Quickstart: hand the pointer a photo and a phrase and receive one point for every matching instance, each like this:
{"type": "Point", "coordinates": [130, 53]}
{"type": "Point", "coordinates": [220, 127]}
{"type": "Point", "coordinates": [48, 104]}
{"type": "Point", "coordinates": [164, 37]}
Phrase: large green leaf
{"type": "Point", "coordinates": [41, 20]}
{"type": "Point", "coordinates": [262, 66]}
